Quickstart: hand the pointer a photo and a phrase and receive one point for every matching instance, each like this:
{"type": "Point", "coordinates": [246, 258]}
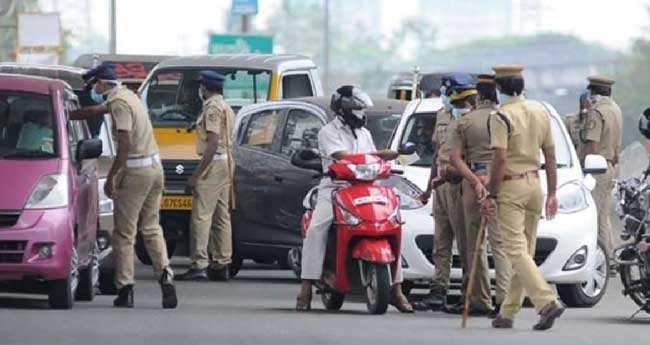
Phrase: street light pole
{"type": "Point", "coordinates": [113, 28]}
{"type": "Point", "coordinates": [326, 45]}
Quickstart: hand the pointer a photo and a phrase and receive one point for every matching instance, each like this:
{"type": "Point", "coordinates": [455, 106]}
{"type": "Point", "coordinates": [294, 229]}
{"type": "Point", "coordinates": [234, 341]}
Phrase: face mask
{"type": "Point", "coordinates": [446, 102]}
{"type": "Point", "coordinates": [201, 95]}
{"type": "Point", "coordinates": [96, 97]}
{"type": "Point", "coordinates": [460, 112]}
{"type": "Point", "coordinates": [502, 98]}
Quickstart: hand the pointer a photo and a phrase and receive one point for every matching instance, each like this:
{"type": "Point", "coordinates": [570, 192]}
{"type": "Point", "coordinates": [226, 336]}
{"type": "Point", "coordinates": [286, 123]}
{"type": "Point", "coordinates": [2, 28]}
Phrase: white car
{"type": "Point", "coordinates": [567, 251]}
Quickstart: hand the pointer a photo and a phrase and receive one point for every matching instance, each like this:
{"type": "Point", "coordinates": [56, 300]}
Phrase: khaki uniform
{"type": "Point", "coordinates": [573, 124]}
{"type": "Point", "coordinates": [604, 125]}
{"type": "Point", "coordinates": [447, 211]}
{"type": "Point", "coordinates": [472, 138]}
{"type": "Point", "coordinates": [211, 229]}
{"type": "Point", "coordinates": [523, 129]}
{"type": "Point", "coordinates": [138, 189]}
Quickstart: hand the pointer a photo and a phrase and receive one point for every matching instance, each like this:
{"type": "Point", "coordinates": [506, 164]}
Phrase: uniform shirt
{"type": "Point", "coordinates": [471, 136]}
{"type": "Point", "coordinates": [604, 125]}
{"type": "Point", "coordinates": [337, 137]}
{"type": "Point", "coordinates": [129, 114]}
{"type": "Point", "coordinates": [573, 124]}
{"type": "Point", "coordinates": [216, 117]}
{"type": "Point", "coordinates": [444, 121]}
{"type": "Point", "coordinates": [522, 128]}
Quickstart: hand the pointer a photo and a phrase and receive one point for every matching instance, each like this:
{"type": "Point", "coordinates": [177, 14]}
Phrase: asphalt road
{"type": "Point", "coordinates": [256, 308]}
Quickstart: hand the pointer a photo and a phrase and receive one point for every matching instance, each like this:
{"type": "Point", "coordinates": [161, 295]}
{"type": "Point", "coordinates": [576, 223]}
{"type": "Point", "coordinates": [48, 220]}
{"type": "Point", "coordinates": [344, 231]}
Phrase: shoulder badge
{"type": "Point", "coordinates": [503, 118]}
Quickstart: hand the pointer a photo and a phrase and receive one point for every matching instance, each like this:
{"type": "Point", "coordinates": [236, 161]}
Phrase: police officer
{"type": "Point", "coordinates": [135, 182]}
{"type": "Point", "coordinates": [574, 123]}
{"type": "Point", "coordinates": [517, 133]}
{"type": "Point", "coordinates": [470, 139]}
{"type": "Point", "coordinates": [602, 135]}
{"type": "Point", "coordinates": [448, 206]}
{"type": "Point", "coordinates": [211, 184]}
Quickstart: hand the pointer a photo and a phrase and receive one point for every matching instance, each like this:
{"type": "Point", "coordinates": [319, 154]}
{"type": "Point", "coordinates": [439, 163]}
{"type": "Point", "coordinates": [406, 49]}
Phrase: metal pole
{"type": "Point", "coordinates": [113, 28]}
{"type": "Point", "coordinates": [245, 23]}
{"type": "Point", "coordinates": [326, 45]}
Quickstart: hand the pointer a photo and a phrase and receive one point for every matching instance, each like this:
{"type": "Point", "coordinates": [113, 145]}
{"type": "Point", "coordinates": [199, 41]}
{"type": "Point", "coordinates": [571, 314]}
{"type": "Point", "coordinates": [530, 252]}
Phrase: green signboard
{"type": "Point", "coordinates": [232, 44]}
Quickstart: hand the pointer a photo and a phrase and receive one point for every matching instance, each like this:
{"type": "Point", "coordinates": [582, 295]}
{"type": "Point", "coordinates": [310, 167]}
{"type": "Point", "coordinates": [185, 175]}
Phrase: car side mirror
{"type": "Point", "coordinates": [595, 165]}
{"type": "Point", "coordinates": [407, 149]}
{"type": "Point", "coordinates": [307, 159]}
{"type": "Point", "coordinates": [89, 149]}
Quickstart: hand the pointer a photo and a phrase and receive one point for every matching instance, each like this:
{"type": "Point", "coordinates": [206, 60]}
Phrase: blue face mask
{"type": "Point", "coordinates": [96, 97]}
{"type": "Point", "coordinates": [456, 113]}
{"type": "Point", "coordinates": [446, 102]}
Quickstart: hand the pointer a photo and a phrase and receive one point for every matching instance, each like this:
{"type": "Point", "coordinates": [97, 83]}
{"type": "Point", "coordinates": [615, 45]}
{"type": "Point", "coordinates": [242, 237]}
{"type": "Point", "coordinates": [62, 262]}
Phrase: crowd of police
{"type": "Point", "coordinates": [487, 136]}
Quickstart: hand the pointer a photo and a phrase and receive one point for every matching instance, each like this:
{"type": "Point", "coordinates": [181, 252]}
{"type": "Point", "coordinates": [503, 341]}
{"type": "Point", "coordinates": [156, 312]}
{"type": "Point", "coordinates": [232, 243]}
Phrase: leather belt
{"type": "Point", "coordinates": [474, 167]}
{"type": "Point", "coordinates": [533, 173]}
{"type": "Point", "coordinates": [142, 162]}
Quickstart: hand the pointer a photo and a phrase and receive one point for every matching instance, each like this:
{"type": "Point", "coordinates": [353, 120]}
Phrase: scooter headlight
{"type": "Point", "coordinates": [571, 198]}
{"type": "Point", "coordinates": [349, 218]}
{"type": "Point", "coordinates": [365, 172]}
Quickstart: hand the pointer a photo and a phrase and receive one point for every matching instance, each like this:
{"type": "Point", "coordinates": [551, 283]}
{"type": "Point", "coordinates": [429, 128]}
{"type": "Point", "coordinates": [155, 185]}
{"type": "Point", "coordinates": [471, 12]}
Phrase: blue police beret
{"type": "Point", "coordinates": [211, 79]}
{"type": "Point", "coordinates": [104, 71]}
{"type": "Point", "coordinates": [449, 81]}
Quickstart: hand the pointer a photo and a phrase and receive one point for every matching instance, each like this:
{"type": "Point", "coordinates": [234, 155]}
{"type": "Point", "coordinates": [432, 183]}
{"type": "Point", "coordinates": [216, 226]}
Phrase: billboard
{"type": "Point", "coordinates": [233, 44]}
{"type": "Point", "coordinates": [39, 38]}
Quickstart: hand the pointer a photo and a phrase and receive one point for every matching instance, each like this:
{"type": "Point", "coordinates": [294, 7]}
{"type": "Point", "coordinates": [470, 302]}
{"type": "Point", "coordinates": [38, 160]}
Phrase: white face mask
{"type": "Point", "coordinates": [460, 112]}
{"type": "Point", "coordinates": [201, 95]}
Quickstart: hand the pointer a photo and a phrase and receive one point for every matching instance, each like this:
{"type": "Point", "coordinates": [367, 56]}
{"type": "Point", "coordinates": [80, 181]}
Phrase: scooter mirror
{"type": "Point", "coordinates": [407, 149]}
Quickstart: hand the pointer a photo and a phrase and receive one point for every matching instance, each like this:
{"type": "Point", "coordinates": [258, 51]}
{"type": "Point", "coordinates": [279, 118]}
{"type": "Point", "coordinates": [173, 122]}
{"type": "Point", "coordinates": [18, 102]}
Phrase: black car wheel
{"type": "Point", "coordinates": [88, 277]}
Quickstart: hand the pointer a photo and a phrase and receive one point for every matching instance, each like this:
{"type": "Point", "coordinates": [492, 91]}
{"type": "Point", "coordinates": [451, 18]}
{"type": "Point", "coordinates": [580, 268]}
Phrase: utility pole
{"type": "Point", "coordinates": [245, 23]}
{"type": "Point", "coordinates": [326, 45]}
{"type": "Point", "coordinates": [113, 28]}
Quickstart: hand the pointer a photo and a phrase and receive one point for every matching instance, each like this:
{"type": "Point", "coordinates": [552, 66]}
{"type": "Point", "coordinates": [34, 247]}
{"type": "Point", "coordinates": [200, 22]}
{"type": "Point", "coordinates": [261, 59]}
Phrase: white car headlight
{"type": "Point", "coordinates": [105, 203]}
{"type": "Point", "coordinates": [571, 198]}
{"type": "Point", "coordinates": [51, 192]}
{"type": "Point", "coordinates": [365, 172]}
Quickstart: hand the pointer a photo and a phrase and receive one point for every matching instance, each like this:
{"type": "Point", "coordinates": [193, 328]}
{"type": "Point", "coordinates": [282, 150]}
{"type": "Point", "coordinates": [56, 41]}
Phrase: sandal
{"type": "Point", "coordinates": [402, 304]}
{"type": "Point", "coordinates": [303, 302]}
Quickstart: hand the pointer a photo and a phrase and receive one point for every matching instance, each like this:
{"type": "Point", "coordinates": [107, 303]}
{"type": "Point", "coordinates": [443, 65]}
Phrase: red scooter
{"type": "Point", "coordinates": [365, 240]}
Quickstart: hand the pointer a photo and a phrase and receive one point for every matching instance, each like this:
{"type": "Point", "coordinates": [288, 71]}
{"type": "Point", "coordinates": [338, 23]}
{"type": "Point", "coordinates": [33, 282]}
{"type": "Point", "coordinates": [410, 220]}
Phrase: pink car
{"type": "Point", "coordinates": [48, 187]}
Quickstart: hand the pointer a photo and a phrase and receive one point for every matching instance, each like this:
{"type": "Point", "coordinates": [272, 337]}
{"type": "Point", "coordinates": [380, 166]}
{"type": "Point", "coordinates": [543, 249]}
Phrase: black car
{"type": "Point", "coordinates": [269, 189]}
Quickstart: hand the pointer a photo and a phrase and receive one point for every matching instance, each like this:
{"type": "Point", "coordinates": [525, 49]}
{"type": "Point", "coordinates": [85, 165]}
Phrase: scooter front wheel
{"type": "Point", "coordinates": [377, 285]}
{"type": "Point", "coordinates": [332, 300]}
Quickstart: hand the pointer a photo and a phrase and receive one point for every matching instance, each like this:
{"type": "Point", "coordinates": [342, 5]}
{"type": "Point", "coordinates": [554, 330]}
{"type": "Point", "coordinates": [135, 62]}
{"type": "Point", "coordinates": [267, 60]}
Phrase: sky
{"type": "Point", "coordinates": [181, 27]}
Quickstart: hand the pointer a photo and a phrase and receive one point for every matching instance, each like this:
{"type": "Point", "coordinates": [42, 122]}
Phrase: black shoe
{"type": "Point", "coordinates": [124, 297]}
{"type": "Point", "coordinates": [194, 274]}
{"type": "Point", "coordinates": [434, 301]}
{"type": "Point", "coordinates": [169, 298]}
{"type": "Point", "coordinates": [455, 309]}
{"type": "Point", "coordinates": [220, 274]}
{"type": "Point", "coordinates": [495, 312]}
{"type": "Point", "coordinates": [547, 316]}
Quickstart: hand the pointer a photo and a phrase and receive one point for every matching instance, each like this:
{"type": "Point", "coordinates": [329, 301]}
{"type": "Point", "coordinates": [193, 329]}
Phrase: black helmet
{"type": "Point", "coordinates": [644, 123]}
{"type": "Point", "coordinates": [348, 102]}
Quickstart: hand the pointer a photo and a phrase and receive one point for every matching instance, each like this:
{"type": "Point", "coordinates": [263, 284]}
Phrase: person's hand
{"type": "Point", "coordinates": [551, 207]}
{"type": "Point", "coordinates": [424, 197]}
{"type": "Point", "coordinates": [483, 179]}
{"type": "Point", "coordinates": [109, 186]}
{"type": "Point", "coordinates": [437, 182]}
{"type": "Point", "coordinates": [191, 183]}
{"type": "Point", "coordinates": [488, 207]}
{"type": "Point", "coordinates": [480, 190]}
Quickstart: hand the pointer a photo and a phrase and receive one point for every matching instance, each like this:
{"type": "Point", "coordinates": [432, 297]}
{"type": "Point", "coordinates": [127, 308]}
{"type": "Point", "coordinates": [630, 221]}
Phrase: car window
{"type": "Point", "coordinates": [261, 129]}
{"type": "Point", "coordinates": [296, 85]}
{"type": "Point", "coordinates": [562, 148]}
{"type": "Point", "coordinates": [301, 132]}
{"type": "Point", "coordinates": [108, 147]}
{"type": "Point", "coordinates": [419, 131]}
{"type": "Point", "coordinates": [381, 125]}
{"type": "Point", "coordinates": [27, 126]}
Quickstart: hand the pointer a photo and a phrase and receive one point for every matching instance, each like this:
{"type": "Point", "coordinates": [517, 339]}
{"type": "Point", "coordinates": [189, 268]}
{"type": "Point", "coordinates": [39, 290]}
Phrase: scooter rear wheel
{"type": "Point", "coordinates": [332, 300]}
{"type": "Point", "coordinates": [377, 278]}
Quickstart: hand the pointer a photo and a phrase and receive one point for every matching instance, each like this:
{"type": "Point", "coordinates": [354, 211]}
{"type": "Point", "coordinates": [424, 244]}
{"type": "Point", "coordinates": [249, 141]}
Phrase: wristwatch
{"type": "Point", "coordinates": [492, 196]}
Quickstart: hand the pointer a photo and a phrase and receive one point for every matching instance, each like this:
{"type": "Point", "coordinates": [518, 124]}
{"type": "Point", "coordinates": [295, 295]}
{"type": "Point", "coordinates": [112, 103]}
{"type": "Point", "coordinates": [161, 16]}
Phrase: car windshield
{"type": "Point", "coordinates": [419, 130]}
{"type": "Point", "coordinates": [172, 95]}
{"type": "Point", "coordinates": [27, 126]}
{"type": "Point", "coordinates": [382, 125]}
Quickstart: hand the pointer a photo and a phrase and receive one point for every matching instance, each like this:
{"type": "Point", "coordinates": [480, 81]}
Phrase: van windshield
{"type": "Point", "coordinates": [27, 126]}
{"type": "Point", "coordinates": [172, 95]}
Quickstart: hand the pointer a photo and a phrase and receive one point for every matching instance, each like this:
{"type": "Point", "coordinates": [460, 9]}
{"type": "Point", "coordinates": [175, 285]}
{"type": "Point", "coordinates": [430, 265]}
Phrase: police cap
{"type": "Point", "coordinates": [503, 71]}
{"type": "Point", "coordinates": [600, 81]}
{"type": "Point", "coordinates": [462, 91]}
{"type": "Point", "coordinates": [104, 71]}
{"type": "Point", "coordinates": [449, 81]}
{"type": "Point", "coordinates": [211, 79]}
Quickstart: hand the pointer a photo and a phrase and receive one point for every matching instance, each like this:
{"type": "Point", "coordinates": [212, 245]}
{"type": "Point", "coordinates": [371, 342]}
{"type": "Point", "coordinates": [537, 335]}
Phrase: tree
{"type": "Point", "coordinates": [8, 25]}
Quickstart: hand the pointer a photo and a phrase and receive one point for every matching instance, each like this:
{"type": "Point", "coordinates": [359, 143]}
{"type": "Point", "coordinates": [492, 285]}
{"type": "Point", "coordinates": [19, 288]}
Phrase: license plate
{"type": "Point", "coordinates": [176, 203]}
{"type": "Point", "coordinates": [371, 199]}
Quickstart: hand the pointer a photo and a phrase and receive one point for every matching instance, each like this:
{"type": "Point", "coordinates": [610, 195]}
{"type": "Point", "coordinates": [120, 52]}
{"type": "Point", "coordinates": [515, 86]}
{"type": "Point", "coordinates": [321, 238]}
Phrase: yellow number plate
{"type": "Point", "coordinates": [176, 203]}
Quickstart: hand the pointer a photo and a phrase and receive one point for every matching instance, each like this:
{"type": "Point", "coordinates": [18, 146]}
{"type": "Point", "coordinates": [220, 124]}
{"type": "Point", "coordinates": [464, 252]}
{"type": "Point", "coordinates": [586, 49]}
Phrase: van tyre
{"type": "Point", "coordinates": [61, 293]}
{"type": "Point", "coordinates": [143, 255]}
{"type": "Point", "coordinates": [377, 278]}
{"type": "Point", "coordinates": [332, 300]}
{"type": "Point", "coordinates": [587, 295]}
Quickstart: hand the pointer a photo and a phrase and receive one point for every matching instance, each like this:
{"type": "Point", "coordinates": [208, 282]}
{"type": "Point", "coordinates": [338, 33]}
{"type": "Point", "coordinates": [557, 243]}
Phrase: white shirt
{"type": "Point", "coordinates": [337, 137]}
